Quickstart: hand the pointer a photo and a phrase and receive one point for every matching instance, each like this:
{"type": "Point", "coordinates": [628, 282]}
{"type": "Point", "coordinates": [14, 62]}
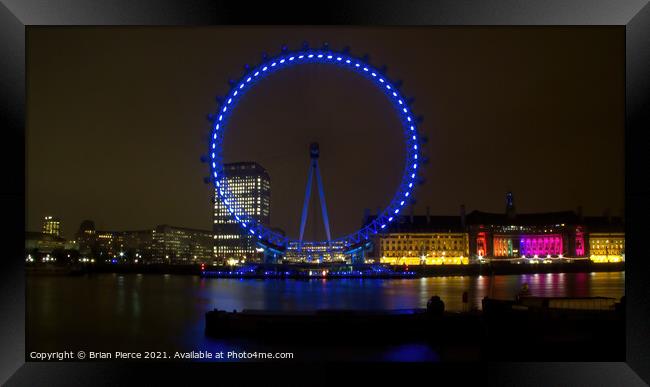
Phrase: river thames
{"type": "Point", "coordinates": [146, 312]}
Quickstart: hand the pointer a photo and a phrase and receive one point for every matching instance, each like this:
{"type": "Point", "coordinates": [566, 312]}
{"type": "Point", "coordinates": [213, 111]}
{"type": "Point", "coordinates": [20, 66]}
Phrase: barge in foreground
{"type": "Point", "coordinates": [531, 328]}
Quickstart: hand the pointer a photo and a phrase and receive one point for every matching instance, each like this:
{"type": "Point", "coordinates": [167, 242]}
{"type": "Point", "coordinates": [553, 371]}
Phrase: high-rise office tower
{"type": "Point", "coordinates": [52, 226]}
{"type": "Point", "coordinates": [250, 185]}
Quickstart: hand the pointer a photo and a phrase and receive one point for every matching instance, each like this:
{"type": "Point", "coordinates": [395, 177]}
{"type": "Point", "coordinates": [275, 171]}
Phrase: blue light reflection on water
{"type": "Point", "coordinates": [151, 312]}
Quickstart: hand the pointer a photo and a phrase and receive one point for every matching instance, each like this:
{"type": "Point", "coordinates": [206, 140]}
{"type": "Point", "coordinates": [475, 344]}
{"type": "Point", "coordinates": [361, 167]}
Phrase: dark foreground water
{"type": "Point", "coordinates": [136, 312]}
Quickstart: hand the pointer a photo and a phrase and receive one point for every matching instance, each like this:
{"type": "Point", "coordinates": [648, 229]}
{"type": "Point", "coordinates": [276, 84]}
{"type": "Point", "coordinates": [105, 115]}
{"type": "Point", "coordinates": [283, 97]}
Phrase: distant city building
{"type": "Point", "coordinates": [250, 183]}
{"type": "Point", "coordinates": [52, 226]}
{"type": "Point", "coordinates": [71, 244]}
{"type": "Point", "coordinates": [410, 240]}
{"type": "Point", "coordinates": [424, 239]}
{"type": "Point", "coordinates": [163, 244]}
{"type": "Point", "coordinates": [606, 238]}
{"type": "Point", "coordinates": [535, 235]}
{"type": "Point", "coordinates": [544, 235]}
{"type": "Point", "coordinates": [133, 246]}
{"type": "Point", "coordinates": [103, 247]}
{"type": "Point", "coordinates": [507, 236]}
{"type": "Point", "coordinates": [44, 243]}
{"type": "Point", "coordinates": [179, 245]}
{"type": "Point", "coordinates": [607, 247]}
{"type": "Point", "coordinates": [315, 252]}
{"type": "Point", "coordinates": [86, 237]}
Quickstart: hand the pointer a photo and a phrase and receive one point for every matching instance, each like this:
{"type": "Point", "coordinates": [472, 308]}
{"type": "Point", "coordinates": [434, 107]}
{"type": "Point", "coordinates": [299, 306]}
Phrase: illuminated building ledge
{"type": "Point", "coordinates": [547, 259]}
{"type": "Point", "coordinates": [464, 260]}
{"type": "Point", "coordinates": [535, 259]}
{"type": "Point", "coordinates": [607, 258]}
{"type": "Point", "coordinates": [426, 261]}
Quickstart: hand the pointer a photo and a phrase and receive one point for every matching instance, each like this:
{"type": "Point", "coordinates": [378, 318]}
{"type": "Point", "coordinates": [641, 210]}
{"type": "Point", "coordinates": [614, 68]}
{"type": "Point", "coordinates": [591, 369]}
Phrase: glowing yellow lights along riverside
{"type": "Point", "coordinates": [430, 248]}
{"type": "Point", "coordinates": [415, 261]}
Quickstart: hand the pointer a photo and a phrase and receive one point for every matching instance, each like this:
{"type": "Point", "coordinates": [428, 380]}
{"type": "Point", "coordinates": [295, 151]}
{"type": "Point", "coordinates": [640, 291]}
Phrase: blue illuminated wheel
{"type": "Point", "coordinates": [286, 59]}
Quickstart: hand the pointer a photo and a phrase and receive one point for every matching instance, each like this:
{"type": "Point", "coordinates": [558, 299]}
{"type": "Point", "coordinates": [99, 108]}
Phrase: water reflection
{"type": "Point", "coordinates": [153, 312]}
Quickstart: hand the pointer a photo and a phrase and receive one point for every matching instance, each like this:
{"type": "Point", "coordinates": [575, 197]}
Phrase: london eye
{"type": "Point", "coordinates": [346, 62]}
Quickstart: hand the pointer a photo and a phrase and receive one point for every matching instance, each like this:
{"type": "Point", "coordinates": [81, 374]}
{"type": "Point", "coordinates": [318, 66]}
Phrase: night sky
{"type": "Point", "coordinates": [116, 121]}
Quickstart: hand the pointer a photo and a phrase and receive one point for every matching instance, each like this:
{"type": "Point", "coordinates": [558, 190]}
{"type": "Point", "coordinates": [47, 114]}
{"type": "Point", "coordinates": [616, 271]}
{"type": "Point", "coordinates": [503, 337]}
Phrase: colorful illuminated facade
{"type": "Point", "coordinates": [541, 245]}
{"type": "Point", "coordinates": [552, 235]}
{"type": "Point", "coordinates": [580, 250]}
{"type": "Point", "coordinates": [520, 241]}
{"type": "Point", "coordinates": [526, 236]}
{"type": "Point", "coordinates": [509, 235]}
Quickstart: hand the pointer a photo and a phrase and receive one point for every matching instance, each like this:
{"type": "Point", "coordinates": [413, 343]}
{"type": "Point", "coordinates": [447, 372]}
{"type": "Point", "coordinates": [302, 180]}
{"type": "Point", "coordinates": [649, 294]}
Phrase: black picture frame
{"type": "Point", "coordinates": [17, 15]}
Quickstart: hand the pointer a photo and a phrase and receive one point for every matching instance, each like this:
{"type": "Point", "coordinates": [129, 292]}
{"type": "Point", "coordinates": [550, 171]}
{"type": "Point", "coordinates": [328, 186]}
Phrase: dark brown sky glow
{"type": "Point", "coordinates": [116, 121]}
